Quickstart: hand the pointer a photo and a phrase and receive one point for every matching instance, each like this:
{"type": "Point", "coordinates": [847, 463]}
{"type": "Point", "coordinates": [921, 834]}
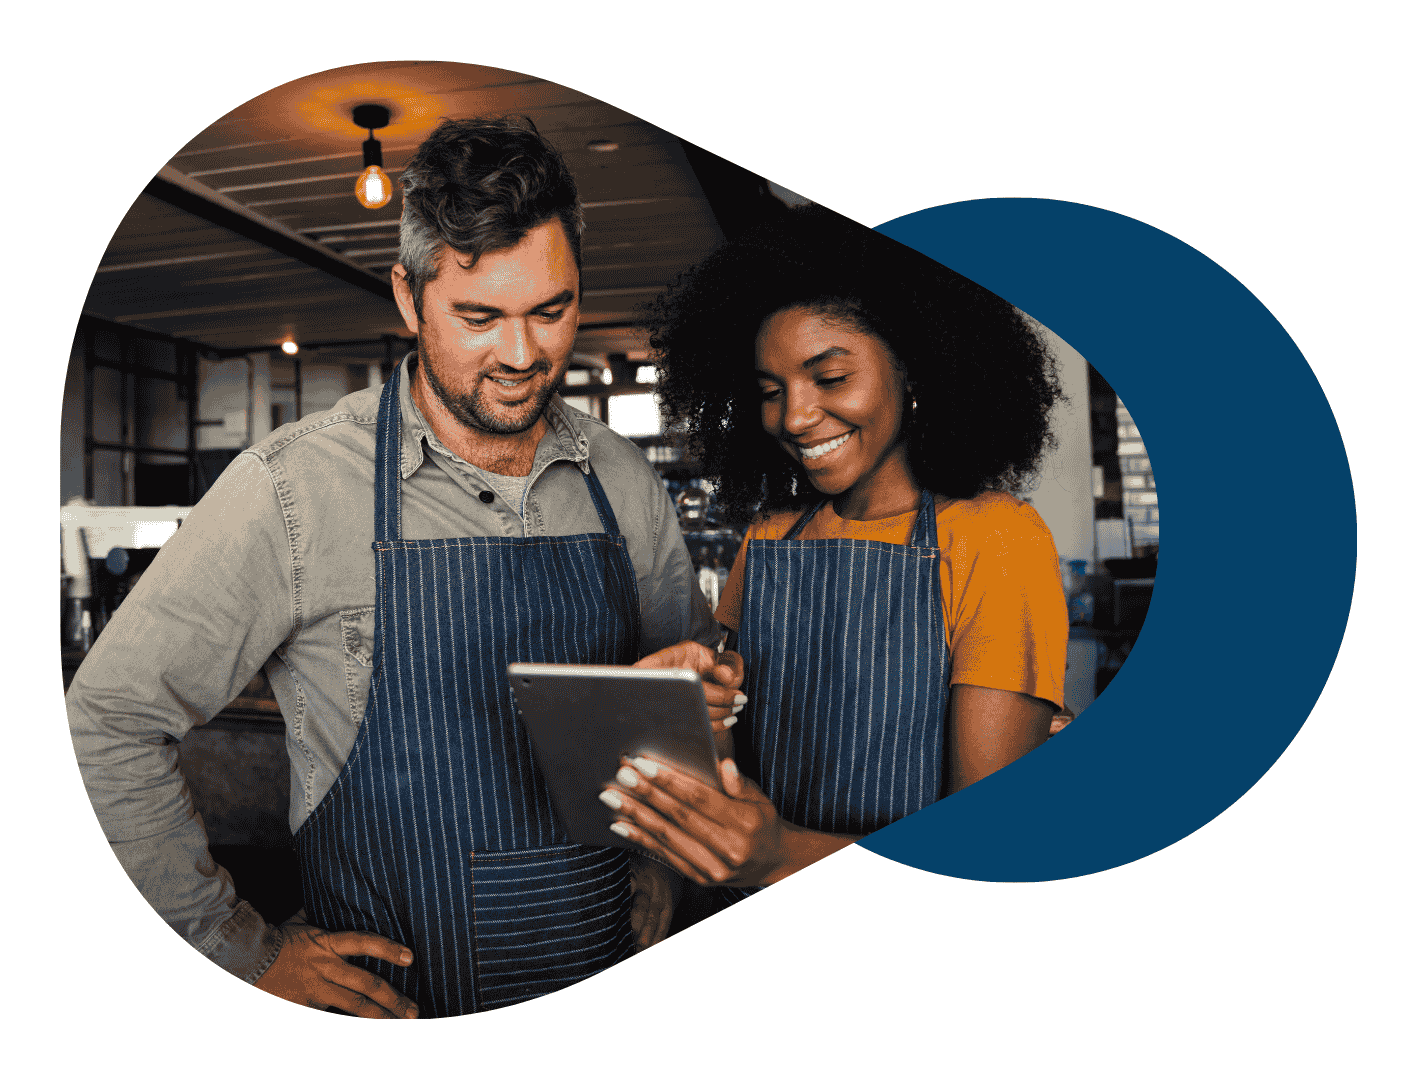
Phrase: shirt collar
{"type": "Point", "coordinates": [565, 439]}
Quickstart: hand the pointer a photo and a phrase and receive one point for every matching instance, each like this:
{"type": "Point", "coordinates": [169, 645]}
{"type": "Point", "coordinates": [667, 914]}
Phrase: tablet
{"type": "Point", "coordinates": [584, 718]}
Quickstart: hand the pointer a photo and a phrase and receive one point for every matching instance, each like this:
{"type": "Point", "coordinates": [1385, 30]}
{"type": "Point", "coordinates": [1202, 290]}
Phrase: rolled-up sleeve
{"type": "Point", "coordinates": [216, 602]}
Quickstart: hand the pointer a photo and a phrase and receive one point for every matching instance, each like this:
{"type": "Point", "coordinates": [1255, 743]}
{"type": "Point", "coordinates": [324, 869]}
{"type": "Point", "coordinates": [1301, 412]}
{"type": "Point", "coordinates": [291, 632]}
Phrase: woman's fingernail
{"type": "Point", "coordinates": [740, 699]}
{"type": "Point", "coordinates": [731, 768]}
{"type": "Point", "coordinates": [611, 798]}
{"type": "Point", "coordinates": [405, 957]}
{"type": "Point", "coordinates": [626, 778]}
{"type": "Point", "coordinates": [730, 721]}
{"type": "Point", "coordinates": [646, 767]}
{"type": "Point", "coordinates": [621, 829]}
{"type": "Point", "coordinates": [736, 710]}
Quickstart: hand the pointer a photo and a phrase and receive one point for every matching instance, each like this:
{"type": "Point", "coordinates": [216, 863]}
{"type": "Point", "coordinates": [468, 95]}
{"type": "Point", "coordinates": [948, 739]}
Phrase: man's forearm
{"type": "Point", "coordinates": [204, 617]}
{"type": "Point", "coordinates": [178, 877]}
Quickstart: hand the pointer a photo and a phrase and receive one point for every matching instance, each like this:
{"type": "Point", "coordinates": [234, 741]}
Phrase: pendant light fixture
{"type": "Point", "coordinates": [373, 187]}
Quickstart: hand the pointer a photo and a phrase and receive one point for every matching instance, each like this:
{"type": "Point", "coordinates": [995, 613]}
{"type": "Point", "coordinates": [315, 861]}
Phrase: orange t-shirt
{"type": "Point", "coordinates": [1004, 612]}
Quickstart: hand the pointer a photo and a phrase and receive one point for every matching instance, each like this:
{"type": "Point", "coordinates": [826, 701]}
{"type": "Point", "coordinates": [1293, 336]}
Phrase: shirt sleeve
{"type": "Point", "coordinates": [1007, 611]}
{"type": "Point", "coordinates": [216, 602]}
{"type": "Point", "coordinates": [673, 608]}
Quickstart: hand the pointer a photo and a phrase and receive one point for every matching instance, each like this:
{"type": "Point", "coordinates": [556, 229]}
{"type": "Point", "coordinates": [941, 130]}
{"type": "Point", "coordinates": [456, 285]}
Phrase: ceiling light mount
{"type": "Point", "coordinates": [371, 117]}
{"type": "Point", "coordinates": [373, 188]}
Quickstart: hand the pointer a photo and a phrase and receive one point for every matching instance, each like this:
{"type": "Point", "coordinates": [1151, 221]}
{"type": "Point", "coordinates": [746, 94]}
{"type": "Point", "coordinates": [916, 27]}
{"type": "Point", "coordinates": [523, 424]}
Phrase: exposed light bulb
{"type": "Point", "coordinates": [607, 376]}
{"type": "Point", "coordinates": [373, 188]}
{"type": "Point", "coordinates": [290, 348]}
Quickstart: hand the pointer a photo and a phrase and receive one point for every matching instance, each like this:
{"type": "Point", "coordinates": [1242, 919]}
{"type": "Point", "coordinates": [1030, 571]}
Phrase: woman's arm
{"type": "Point", "coordinates": [737, 838]}
{"type": "Point", "coordinates": [989, 729]}
{"type": "Point", "coordinates": [733, 837]}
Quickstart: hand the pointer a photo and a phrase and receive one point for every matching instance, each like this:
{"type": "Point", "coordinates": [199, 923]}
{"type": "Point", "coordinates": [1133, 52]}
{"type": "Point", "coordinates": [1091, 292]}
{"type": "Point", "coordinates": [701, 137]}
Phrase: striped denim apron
{"type": "Point", "coordinates": [847, 677]}
{"type": "Point", "coordinates": [439, 832]}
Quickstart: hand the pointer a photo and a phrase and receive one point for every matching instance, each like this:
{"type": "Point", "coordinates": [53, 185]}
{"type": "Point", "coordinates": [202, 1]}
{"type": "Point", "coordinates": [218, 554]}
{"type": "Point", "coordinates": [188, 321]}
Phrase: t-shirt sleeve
{"type": "Point", "coordinates": [1007, 610]}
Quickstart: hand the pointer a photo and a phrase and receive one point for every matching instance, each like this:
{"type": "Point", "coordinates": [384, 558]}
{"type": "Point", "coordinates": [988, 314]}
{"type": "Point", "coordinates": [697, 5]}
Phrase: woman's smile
{"type": "Point", "coordinates": [811, 453]}
{"type": "Point", "coordinates": [834, 398]}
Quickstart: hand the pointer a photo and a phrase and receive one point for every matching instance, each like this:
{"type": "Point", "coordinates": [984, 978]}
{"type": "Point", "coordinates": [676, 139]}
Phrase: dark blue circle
{"type": "Point", "coordinates": [1257, 545]}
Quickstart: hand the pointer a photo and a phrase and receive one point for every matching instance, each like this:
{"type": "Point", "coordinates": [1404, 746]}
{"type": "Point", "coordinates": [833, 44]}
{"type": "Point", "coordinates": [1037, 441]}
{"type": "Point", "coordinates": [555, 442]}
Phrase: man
{"type": "Point", "coordinates": [384, 562]}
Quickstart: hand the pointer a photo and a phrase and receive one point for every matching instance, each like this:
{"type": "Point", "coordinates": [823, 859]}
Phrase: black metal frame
{"type": "Point", "coordinates": [187, 380]}
{"type": "Point", "coordinates": [390, 343]}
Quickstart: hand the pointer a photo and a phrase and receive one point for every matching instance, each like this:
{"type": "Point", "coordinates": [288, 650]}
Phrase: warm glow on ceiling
{"type": "Point", "coordinates": [328, 107]}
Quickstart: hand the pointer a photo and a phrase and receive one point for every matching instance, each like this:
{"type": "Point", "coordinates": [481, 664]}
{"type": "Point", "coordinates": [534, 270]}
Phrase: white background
{"type": "Point", "coordinates": [1267, 944]}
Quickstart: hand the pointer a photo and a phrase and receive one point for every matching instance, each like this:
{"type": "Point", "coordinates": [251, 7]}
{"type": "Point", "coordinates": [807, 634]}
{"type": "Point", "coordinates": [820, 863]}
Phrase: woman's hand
{"type": "Point", "coordinates": [734, 837]}
{"type": "Point", "coordinates": [722, 674]}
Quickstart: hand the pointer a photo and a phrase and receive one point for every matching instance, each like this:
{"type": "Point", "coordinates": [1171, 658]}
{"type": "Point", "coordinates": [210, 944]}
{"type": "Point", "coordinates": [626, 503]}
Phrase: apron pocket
{"type": "Point", "coordinates": [547, 918]}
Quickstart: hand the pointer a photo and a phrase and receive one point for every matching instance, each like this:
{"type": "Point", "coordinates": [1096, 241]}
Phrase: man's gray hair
{"type": "Point", "coordinates": [478, 186]}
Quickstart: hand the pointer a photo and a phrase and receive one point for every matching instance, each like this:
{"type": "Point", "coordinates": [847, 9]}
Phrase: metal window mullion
{"type": "Point", "coordinates": [126, 464]}
{"type": "Point", "coordinates": [190, 358]}
{"type": "Point", "coordinates": [88, 347]}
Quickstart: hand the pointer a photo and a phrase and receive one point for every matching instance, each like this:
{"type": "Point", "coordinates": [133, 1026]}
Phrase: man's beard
{"type": "Point", "coordinates": [470, 409]}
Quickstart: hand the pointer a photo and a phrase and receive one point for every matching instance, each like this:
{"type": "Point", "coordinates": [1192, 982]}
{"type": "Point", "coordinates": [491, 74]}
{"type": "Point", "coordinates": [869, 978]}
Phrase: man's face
{"type": "Point", "coordinates": [495, 339]}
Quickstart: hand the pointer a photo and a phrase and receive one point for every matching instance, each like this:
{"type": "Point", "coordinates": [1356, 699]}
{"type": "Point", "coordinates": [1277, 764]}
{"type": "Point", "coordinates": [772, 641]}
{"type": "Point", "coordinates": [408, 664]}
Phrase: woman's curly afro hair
{"type": "Point", "coordinates": [982, 379]}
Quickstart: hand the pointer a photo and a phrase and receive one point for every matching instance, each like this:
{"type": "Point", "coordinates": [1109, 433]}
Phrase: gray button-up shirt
{"type": "Point", "coordinates": [273, 569]}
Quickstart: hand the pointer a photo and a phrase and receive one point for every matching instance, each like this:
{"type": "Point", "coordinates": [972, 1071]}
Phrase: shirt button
{"type": "Point", "coordinates": [486, 497]}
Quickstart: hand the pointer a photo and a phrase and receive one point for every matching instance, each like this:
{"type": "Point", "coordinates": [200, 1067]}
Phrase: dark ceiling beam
{"type": "Point", "coordinates": [314, 346]}
{"type": "Point", "coordinates": [285, 244]}
{"type": "Point", "coordinates": [94, 321]}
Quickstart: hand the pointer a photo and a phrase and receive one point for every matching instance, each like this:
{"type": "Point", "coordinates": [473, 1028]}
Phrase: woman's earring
{"type": "Point", "coordinates": [914, 406]}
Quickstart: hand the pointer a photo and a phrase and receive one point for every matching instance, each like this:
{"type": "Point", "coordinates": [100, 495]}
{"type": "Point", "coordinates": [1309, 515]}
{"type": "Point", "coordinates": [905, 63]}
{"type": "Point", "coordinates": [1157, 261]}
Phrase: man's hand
{"type": "Point", "coordinates": [310, 970]}
{"type": "Point", "coordinates": [653, 897]}
{"type": "Point", "coordinates": [722, 673]}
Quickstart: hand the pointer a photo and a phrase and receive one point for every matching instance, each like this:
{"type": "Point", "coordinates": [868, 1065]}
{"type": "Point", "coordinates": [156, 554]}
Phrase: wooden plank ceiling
{"type": "Point", "coordinates": [303, 261]}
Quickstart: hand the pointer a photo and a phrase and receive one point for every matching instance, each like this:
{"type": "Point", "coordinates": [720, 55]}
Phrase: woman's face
{"type": "Point", "coordinates": [833, 397]}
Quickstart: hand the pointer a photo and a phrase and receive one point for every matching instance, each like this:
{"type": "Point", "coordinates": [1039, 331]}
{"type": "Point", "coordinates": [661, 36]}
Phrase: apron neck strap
{"type": "Point", "coordinates": [801, 522]}
{"type": "Point", "coordinates": [926, 525]}
{"type": "Point", "coordinates": [604, 507]}
{"type": "Point", "coordinates": [388, 482]}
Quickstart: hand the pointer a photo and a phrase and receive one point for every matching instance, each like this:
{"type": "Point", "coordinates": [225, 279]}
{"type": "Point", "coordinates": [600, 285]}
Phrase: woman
{"type": "Point", "coordinates": [899, 611]}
